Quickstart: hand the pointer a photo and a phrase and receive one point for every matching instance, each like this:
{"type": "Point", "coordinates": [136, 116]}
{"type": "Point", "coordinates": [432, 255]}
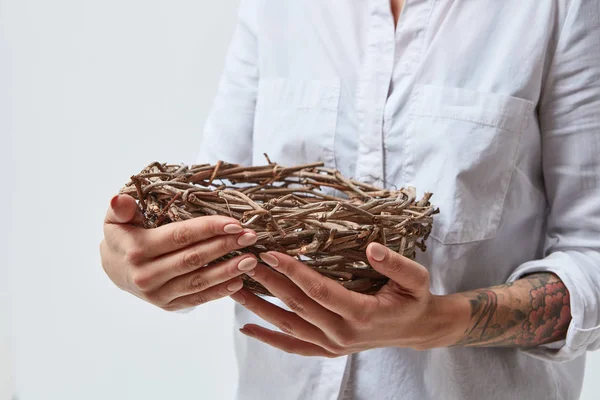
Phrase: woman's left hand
{"type": "Point", "coordinates": [329, 320]}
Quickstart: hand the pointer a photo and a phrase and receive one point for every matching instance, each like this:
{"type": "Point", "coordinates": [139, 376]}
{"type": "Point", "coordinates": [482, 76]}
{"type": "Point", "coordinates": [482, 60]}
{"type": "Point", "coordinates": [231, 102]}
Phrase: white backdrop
{"type": "Point", "coordinates": [91, 92]}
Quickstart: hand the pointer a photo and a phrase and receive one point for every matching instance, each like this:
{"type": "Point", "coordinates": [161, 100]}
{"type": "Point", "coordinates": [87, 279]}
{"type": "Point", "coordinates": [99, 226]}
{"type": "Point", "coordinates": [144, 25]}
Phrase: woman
{"type": "Point", "coordinates": [493, 106]}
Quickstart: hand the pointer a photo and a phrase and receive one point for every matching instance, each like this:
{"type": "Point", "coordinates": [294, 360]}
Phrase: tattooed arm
{"type": "Point", "coordinates": [531, 311]}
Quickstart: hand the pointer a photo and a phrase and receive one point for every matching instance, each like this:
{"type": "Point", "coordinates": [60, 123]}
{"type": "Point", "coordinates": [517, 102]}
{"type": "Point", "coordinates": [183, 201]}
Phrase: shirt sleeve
{"type": "Point", "coordinates": [228, 129]}
{"type": "Point", "coordinates": [569, 114]}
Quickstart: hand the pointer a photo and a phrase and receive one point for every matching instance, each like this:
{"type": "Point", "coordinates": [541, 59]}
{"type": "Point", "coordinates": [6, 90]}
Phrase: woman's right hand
{"type": "Point", "coordinates": [165, 266]}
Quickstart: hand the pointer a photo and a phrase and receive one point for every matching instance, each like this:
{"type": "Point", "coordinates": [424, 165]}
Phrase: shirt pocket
{"type": "Point", "coordinates": [462, 146]}
{"type": "Point", "coordinates": [295, 120]}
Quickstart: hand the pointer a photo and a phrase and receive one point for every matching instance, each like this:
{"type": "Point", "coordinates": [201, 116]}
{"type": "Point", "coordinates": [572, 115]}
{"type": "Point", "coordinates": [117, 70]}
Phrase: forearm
{"type": "Point", "coordinates": [528, 312]}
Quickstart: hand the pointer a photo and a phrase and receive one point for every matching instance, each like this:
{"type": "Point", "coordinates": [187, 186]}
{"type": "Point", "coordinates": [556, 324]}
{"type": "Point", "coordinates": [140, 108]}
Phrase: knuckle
{"type": "Point", "coordinates": [192, 260]}
{"type": "Point", "coordinates": [227, 244]}
{"type": "Point", "coordinates": [334, 349]}
{"type": "Point", "coordinates": [285, 327]}
{"type": "Point", "coordinates": [359, 313]}
{"type": "Point", "coordinates": [295, 305]}
{"type": "Point", "coordinates": [134, 255]}
{"type": "Point", "coordinates": [213, 225]}
{"type": "Point", "coordinates": [182, 235]}
{"type": "Point", "coordinates": [198, 283]}
{"type": "Point", "coordinates": [153, 298]}
{"type": "Point", "coordinates": [199, 298]}
{"type": "Point", "coordinates": [318, 291]}
{"type": "Point", "coordinates": [343, 338]}
{"type": "Point", "coordinates": [141, 280]}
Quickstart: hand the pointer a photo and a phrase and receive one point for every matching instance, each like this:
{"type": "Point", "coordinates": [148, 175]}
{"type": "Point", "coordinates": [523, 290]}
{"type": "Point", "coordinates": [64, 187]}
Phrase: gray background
{"type": "Point", "coordinates": [90, 92]}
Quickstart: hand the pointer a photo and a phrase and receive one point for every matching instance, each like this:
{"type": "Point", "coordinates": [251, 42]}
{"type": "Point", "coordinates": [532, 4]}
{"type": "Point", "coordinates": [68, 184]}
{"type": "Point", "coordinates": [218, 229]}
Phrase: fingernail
{"type": "Point", "coordinates": [378, 251]}
{"type": "Point", "coordinates": [247, 239]}
{"type": "Point", "coordinates": [238, 298]}
{"type": "Point", "coordinates": [113, 201]}
{"type": "Point", "coordinates": [247, 331]}
{"type": "Point", "coordinates": [270, 259]}
{"type": "Point", "coordinates": [235, 286]}
{"type": "Point", "coordinates": [251, 272]}
{"type": "Point", "coordinates": [247, 264]}
{"type": "Point", "coordinates": [232, 228]}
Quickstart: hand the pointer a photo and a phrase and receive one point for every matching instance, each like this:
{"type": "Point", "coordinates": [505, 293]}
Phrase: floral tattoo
{"type": "Point", "coordinates": [511, 315]}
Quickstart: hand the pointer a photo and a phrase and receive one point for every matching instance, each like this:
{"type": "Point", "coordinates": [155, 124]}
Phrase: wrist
{"type": "Point", "coordinates": [449, 317]}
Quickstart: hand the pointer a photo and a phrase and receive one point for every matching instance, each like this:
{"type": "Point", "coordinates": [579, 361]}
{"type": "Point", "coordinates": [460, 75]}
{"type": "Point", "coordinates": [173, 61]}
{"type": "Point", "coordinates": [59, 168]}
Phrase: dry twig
{"type": "Point", "coordinates": [291, 213]}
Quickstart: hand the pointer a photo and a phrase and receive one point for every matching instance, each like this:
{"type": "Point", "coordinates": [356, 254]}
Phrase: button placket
{"type": "Point", "coordinates": [418, 19]}
{"type": "Point", "coordinates": [332, 374]}
{"type": "Point", "coordinates": [372, 93]}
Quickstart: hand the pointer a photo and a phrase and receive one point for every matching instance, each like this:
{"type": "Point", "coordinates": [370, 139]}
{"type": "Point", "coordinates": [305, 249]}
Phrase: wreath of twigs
{"type": "Point", "coordinates": [291, 213]}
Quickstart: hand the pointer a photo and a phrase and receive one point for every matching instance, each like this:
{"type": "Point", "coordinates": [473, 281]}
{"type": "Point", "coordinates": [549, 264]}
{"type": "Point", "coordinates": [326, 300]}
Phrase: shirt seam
{"type": "Point", "coordinates": [466, 119]}
{"type": "Point", "coordinates": [587, 330]}
{"type": "Point", "coordinates": [558, 44]}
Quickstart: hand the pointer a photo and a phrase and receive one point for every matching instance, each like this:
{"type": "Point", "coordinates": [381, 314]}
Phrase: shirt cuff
{"type": "Point", "coordinates": [581, 281]}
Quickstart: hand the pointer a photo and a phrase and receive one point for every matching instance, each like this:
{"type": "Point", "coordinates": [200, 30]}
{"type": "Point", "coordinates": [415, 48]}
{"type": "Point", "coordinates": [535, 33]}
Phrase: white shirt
{"type": "Point", "coordinates": [492, 105]}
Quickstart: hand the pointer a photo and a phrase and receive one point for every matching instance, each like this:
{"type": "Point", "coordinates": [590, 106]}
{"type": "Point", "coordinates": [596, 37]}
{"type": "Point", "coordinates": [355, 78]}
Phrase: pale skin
{"type": "Point", "coordinates": [172, 267]}
{"type": "Point", "coordinates": [167, 266]}
{"type": "Point", "coordinates": [328, 320]}
{"type": "Point", "coordinates": [396, 6]}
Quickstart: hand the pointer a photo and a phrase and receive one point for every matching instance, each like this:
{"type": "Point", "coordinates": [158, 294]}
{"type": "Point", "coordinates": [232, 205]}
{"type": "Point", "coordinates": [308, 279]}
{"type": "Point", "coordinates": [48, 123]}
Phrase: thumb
{"type": "Point", "coordinates": [406, 273]}
{"type": "Point", "coordinates": [124, 210]}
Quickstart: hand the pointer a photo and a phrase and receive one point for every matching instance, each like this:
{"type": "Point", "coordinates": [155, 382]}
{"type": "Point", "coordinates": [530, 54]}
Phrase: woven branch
{"type": "Point", "coordinates": [290, 213]}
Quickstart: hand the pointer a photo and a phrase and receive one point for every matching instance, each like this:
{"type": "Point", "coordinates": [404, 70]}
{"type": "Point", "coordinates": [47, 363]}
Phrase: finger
{"type": "Point", "coordinates": [124, 210]}
{"type": "Point", "coordinates": [169, 266]}
{"type": "Point", "coordinates": [287, 321]}
{"type": "Point", "coordinates": [122, 218]}
{"type": "Point", "coordinates": [285, 342]}
{"type": "Point", "coordinates": [297, 301]}
{"type": "Point", "coordinates": [407, 273]}
{"type": "Point", "coordinates": [325, 291]}
{"type": "Point", "coordinates": [214, 293]}
{"type": "Point", "coordinates": [181, 234]}
{"type": "Point", "coordinates": [204, 278]}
